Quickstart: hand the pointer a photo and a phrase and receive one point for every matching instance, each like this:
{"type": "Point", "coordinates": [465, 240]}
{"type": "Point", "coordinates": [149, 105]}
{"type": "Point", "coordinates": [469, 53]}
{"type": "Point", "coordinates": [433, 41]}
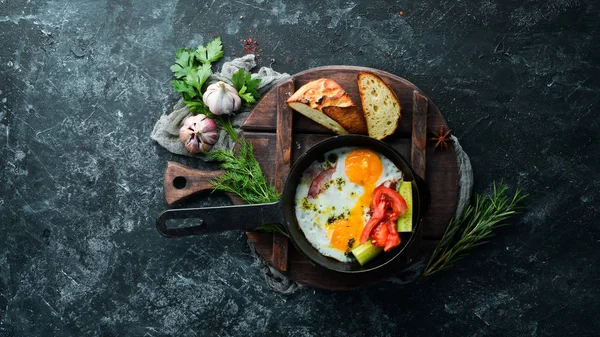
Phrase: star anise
{"type": "Point", "coordinates": [442, 139]}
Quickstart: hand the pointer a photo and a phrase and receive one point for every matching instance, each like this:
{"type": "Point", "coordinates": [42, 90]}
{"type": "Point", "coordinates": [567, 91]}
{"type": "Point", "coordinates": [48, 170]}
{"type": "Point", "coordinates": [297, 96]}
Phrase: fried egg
{"type": "Point", "coordinates": [334, 196]}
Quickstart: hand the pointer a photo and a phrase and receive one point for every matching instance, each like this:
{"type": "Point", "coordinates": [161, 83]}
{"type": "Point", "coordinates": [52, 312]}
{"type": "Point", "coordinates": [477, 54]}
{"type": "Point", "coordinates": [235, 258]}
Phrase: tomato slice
{"type": "Point", "coordinates": [393, 239]}
{"type": "Point", "coordinates": [387, 206]}
{"type": "Point", "coordinates": [376, 217]}
{"type": "Point", "coordinates": [380, 235]}
{"type": "Point", "coordinates": [397, 202]}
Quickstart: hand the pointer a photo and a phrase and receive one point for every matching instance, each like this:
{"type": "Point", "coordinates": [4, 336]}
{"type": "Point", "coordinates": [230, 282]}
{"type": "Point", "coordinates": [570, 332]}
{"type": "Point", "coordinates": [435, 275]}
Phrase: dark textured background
{"type": "Point", "coordinates": [82, 83]}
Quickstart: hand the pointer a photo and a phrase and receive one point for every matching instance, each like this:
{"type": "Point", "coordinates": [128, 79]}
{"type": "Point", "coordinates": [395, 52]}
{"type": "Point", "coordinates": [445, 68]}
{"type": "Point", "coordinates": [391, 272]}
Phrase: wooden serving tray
{"type": "Point", "coordinates": [280, 136]}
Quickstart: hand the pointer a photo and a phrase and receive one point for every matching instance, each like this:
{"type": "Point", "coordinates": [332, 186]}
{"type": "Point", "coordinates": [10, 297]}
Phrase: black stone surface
{"type": "Point", "coordinates": [82, 83]}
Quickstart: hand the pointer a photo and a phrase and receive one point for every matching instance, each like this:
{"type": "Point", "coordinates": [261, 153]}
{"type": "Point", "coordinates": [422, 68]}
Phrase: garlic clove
{"type": "Point", "coordinates": [221, 98]}
{"type": "Point", "coordinates": [198, 133]}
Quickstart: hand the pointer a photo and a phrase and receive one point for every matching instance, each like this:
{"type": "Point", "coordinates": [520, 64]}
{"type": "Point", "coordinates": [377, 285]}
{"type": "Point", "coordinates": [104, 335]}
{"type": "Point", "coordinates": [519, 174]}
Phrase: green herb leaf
{"type": "Point", "coordinates": [246, 96]}
{"type": "Point", "coordinates": [473, 227]}
{"type": "Point", "coordinates": [197, 107]}
{"type": "Point", "coordinates": [246, 86]}
{"type": "Point", "coordinates": [196, 77]}
{"type": "Point", "coordinates": [191, 75]}
{"type": "Point", "coordinates": [243, 175]}
{"type": "Point", "coordinates": [182, 87]}
{"type": "Point", "coordinates": [184, 60]}
{"type": "Point", "coordinates": [212, 52]}
{"type": "Point", "coordinates": [252, 85]}
{"type": "Point", "coordinates": [238, 79]}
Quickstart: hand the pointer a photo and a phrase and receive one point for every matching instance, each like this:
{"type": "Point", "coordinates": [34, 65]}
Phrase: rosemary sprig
{"type": "Point", "coordinates": [243, 175]}
{"type": "Point", "coordinates": [473, 227]}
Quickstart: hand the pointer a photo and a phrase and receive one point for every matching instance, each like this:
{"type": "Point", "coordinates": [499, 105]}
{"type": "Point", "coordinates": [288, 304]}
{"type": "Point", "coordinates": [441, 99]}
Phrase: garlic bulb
{"type": "Point", "coordinates": [221, 98]}
{"type": "Point", "coordinates": [198, 133]}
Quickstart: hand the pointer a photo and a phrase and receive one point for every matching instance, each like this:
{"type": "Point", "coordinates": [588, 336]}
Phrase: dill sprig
{"type": "Point", "coordinates": [224, 122]}
{"type": "Point", "coordinates": [243, 175]}
{"type": "Point", "coordinates": [473, 227]}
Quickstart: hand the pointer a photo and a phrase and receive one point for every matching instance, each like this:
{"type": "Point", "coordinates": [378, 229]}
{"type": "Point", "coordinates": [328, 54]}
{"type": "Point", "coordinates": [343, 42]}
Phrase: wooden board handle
{"type": "Point", "coordinates": [418, 159]}
{"type": "Point", "coordinates": [283, 164]}
{"type": "Point", "coordinates": [418, 148]}
{"type": "Point", "coordinates": [181, 182]}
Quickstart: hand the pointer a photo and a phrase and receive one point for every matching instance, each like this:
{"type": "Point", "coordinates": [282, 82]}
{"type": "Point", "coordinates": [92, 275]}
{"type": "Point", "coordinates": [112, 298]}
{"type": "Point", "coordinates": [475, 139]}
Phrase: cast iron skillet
{"type": "Point", "coordinates": [246, 217]}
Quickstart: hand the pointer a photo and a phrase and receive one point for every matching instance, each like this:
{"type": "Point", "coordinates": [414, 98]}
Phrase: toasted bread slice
{"type": "Point", "coordinates": [327, 103]}
{"type": "Point", "coordinates": [380, 104]}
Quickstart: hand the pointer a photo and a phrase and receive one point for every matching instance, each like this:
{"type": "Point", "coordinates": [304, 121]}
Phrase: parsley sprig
{"type": "Point", "coordinates": [474, 227]}
{"type": "Point", "coordinates": [246, 86]}
{"type": "Point", "coordinates": [191, 70]}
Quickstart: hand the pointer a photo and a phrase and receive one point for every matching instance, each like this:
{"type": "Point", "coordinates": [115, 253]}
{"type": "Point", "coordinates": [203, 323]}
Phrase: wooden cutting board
{"type": "Point", "coordinates": [280, 136]}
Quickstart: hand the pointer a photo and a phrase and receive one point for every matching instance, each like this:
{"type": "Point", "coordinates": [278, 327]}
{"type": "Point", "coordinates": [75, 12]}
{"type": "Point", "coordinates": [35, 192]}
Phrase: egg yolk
{"type": "Point", "coordinates": [343, 231]}
{"type": "Point", "coordinates": [363, 167]}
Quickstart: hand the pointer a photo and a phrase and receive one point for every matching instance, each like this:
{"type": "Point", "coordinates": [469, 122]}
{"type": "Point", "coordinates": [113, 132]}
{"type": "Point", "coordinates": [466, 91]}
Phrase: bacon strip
{"type": "Point", "coordinates": [392, 184]}
{"type": "Point", "coordinates": [316, 187]}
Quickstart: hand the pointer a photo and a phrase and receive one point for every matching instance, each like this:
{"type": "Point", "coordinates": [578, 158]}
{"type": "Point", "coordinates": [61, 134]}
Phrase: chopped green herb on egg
{"type": "Point", "coordinates": [334, 218]}
{"type": "Point", "coordinates": [307, 205]}
{"type": "Point", "coordinates": [340, 182]}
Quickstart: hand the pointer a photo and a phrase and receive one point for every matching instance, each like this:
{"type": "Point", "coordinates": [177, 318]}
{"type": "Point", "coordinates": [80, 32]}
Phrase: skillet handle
{"type": "Point", "coordinates": [219, 219]}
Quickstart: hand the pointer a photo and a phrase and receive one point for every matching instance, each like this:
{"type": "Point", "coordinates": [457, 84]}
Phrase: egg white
{"type": "Point", "coordinates": [335, 201]}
